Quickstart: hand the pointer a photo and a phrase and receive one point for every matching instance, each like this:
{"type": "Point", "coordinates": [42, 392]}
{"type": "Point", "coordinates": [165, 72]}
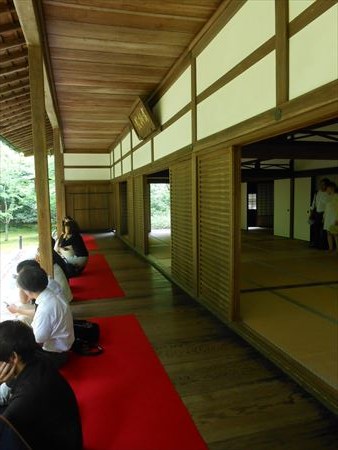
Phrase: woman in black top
{"type": "Point", "coordinates": [70, 246]}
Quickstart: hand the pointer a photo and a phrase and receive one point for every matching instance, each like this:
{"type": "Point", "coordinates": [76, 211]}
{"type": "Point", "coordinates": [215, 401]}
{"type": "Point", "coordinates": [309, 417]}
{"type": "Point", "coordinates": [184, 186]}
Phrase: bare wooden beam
{"type": "Point", "coordinates": [19, 112]}
{"type": "Point", "coordinates": [14, 26]}
{"type": "Point", "coordinates": [32, 22]}
{"type": "Point", "coordinates": [14, 89]}
{"type": "Point", "coordinates": [14, 56]}
{"type": "Point", "coordinates": [40, 156]}
{"type": "Point", "coordinates": [21, 77]}
{"type": "Point", "coordinates": [7, 104]}
{"type": "Point", "coordinates": [6, 9]}
{"type": "Point", "coordinates": [12, 44]}
{"type": "Point", "coordinates": [291, 150]}
{"type": "Point", "coordinates": [12, 69]}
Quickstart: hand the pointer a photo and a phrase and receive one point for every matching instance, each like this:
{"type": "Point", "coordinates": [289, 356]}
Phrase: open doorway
{"type": "Point", "coordinates": [159, 243]}
{"type": "Point", "coordinates": [289, 290]}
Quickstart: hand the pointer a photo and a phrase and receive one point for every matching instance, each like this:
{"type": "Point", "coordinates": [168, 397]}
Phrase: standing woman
{"type": "Point", "coordinates": [70, 246]}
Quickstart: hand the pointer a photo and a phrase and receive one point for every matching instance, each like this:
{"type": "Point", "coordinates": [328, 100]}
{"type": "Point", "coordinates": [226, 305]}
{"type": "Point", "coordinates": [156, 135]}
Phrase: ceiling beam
{"type": "Point", "coordinates": [14, 26]}
{"type": "Point", "coordinates": [2, 100]}
{"type": "Point", "coordinates": [12, 69]}
{"type": "Point", "coordinates": [14, 56]}
{"type": "Point", "coordinates": [22, 77]}
{"type": "Point", "coordinates": [12, 44]}
{"type": "Point", "coordinates": [291, 150]}
{"type": "Point", "coordinates": [13, 89]}
{"type": "Point", "coordinates": [8, 104]}
{"type": "Point", "coordinates": [30, 16]}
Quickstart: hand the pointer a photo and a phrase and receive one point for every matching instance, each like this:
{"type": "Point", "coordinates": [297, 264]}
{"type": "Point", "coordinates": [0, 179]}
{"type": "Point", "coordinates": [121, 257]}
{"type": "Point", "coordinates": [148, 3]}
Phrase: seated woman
{"type": "Point", "coordinates": [71, 247]}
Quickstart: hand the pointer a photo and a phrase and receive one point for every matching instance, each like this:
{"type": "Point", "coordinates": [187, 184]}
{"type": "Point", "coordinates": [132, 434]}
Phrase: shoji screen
{"type": "Point", "coordinates": [181, 224]}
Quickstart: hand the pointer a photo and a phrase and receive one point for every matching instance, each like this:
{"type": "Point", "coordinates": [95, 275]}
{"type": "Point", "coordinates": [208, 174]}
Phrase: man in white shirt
{"type": "Point", "coordinates": [52, 323]}
{"type": "Point", "coordinates": [321, 197]}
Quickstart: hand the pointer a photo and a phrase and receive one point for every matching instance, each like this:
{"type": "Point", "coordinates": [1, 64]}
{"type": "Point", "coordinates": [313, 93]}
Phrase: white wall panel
{"type": "Point", "coordinates": [118, 169]}
{"type": "Point", "coordinates": [142, 156]}
{"type": "Point", "coordinates": [126, 164]}
{"type": "Point", "coordinates": [117, 152]}
{"type": "Point", "coordinates": [87, 174]}
{"type": "Point", "coordinates": [253, 24]}
{"type": "Point", "coordinates": [252, 93]}
{"type": "Point", "coordinates": [112, 173]}
{"type": "Point", "coordinates": [135, 139]}
{"type": "Point", "coordinates": [177, 136]}
{"type": "Point", "coordinates": [298, 6]}
{"type": "Point", "coordinates": [178, 96]}
{"type": "Point", "coordinates": [126, 145]}
{"type": "Point", "coordinates": [313, 54]}
{"type": "Point", "coordinates": [86, 159]}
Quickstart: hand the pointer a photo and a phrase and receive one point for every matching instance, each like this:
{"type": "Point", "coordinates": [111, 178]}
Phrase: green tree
{"type": "Point", "coordinates": [17, 189]}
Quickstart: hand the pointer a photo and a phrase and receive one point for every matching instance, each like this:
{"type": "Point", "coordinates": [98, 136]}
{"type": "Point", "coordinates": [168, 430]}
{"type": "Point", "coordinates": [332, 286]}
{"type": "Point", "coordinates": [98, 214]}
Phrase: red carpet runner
{"type": "Point", "coordinates": [90, 242]}
{"type": "Point", "coordinates": [96, 281]}
{"type": "Point", "coordinates": [126, 399]}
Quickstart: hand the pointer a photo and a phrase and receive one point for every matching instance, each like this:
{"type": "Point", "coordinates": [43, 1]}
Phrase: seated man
{"type": "Point", "coordinates": [25, 312]}
{"type": "Point", "coordinates": [53, 322]}
{"type": "Point", "coordinates": [42, 406]}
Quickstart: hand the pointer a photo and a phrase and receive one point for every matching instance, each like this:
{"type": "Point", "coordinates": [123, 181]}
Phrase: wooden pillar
{"type": "Point", "coordinates": [59, 179]}
{"type": "Point", "coordinates": [40, 155]}
{"type": "Point", "coordinates": [282, 51]}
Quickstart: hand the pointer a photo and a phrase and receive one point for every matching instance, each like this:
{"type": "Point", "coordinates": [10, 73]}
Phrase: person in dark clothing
{"type": "Point", "coordinates": [71, 246]}
{"type": "Point", "coordinates": [41, 405]}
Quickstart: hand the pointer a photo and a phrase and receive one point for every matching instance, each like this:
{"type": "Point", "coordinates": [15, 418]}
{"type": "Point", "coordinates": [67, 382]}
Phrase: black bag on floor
{"type": "Point", "coordinates": [87, 335]}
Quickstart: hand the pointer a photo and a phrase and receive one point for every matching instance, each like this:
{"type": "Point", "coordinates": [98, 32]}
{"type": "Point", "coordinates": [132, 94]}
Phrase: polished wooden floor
{"type": "Point", "coordinates": [237, 398]}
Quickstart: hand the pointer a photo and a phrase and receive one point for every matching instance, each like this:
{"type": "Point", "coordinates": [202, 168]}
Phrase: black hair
{"type": "Point", "coordinates": [73, 227]}
{"type": "Point", "coordinates": [331, 184]}
{"type": "Point", "coordinates": [325, 181]}
{"type": "Point", "coordinates": [27, 263]}
{"type": "Point", "coordinates": [32, 279]}
{"type": "Point", "coordinates": [16, 336]}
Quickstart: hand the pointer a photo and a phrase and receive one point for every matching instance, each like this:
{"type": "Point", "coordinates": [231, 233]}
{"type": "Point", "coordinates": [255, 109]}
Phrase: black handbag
{"type": "Point", "coordinates": [87, 335]}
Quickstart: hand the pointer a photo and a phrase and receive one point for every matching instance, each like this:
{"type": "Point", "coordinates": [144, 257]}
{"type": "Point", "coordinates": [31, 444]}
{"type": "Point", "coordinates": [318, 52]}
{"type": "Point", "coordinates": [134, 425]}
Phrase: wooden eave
{"type": "Point", "coordinates": [15, 107]}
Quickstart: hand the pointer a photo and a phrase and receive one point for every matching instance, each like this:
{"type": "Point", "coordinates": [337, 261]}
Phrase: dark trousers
{"type": "Point", "coordinates": [318, 237]}
{"type": "Point", "coordinates": [58, 359]}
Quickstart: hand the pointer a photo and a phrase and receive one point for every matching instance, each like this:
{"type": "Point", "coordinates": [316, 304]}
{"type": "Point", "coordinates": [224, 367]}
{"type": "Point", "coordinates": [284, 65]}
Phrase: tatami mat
{"type": "Point", "coordinates": [307, 337]}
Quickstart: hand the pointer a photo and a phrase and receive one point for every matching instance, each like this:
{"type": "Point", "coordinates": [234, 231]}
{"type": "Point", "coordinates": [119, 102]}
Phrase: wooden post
{"type": "Point", "coordinates": [59, 179]}
{"type": "Point", "coordinates": [282, 51]}
{"type": "Point", "coordinates": [40, 155]}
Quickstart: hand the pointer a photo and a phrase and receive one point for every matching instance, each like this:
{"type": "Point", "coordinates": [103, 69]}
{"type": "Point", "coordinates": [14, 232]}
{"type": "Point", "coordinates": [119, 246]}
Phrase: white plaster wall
{"type": "Point", "coordinates": [298, 6]}
{"type": "Point", "coordinates": [314, 54]}
{"type": "Point", "coordinates": [118, 169]}
{"type": "Point", "coordinates": [117, 152]}
{"type": "Point", "coordinates": [86, 159]}
{"type": "Point", "coordinates": [87, 174]}
{"type": "Point", "coordinates": [135, 139]}
{"type": "Point", "coordinates": [126, 164]}
{"type": "Point", "coordinates": [142, 156]}
{"type": "Point", "coordinates": [252, 93]}
{"type": "Point", "coordinates": [177, 136]}
{"type": "Point", "coordinates": [112, 173]}
{"type": "Point", "coordinates": [253, 25]}
{"type": "Point", "coordinates": [126, 146]}
{"type": "Point", "coordinates": [178, 96]}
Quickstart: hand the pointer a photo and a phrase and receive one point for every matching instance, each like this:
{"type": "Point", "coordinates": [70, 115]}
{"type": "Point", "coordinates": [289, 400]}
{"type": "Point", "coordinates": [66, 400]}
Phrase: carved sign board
{"type": "Point", "coordinates": [142, 120]}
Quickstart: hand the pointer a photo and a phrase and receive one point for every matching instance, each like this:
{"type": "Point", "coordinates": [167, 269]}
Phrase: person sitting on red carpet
{"type": "Point", "coordinates": [53, 322]}
{"type": "Point", "coordinates": [70, 245]}
{"type": "Point", "coordinates": [42, 406]}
